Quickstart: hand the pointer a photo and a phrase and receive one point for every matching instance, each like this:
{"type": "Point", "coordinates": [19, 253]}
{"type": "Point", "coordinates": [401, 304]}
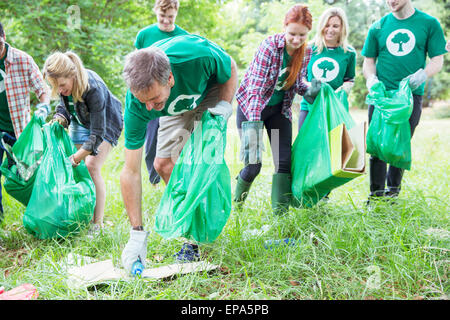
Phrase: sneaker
{"type": "Point", "coordinates": [188, 253]}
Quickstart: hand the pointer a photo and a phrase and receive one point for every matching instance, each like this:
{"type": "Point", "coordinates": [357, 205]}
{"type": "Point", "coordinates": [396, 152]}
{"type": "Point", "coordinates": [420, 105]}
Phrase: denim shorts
{"type": "Point", "coordinates": [78, 133]}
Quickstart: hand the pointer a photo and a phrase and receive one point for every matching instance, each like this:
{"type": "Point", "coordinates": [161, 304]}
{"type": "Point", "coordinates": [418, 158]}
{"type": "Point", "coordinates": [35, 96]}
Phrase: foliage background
{"type": "Point", "coordinates": [103, 32]}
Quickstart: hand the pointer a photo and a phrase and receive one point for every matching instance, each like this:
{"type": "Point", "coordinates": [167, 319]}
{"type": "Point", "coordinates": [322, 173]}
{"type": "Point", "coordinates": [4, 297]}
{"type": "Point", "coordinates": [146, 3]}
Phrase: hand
{"type": "Point", "coordinates": [346, 86]}
{"type": "Point", "coordinates": [222, 108]}
{"type": "Point", "coordinates": [135, 249]}
{"type": "Point", "coordinates": [60, 119]}
{"type": "Point", "coordinates": [73, 161]}
{"type": "Point", "coordinates": [312, 92]}
{"type": "Point", "coordinates": [42, 110]}
{"type": "Point", "coordinates": [371, 81]}
{"type": "Point", "coordinates": [252, 143]}
{"type": "Point", "coordinates": [416, 79]}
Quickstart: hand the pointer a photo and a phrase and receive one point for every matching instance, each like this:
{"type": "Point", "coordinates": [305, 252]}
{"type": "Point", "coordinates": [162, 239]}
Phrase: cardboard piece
{"type": "Point", "coordinates": [104, 271]}
{"type": "Point", "coordinates": [348, 151]}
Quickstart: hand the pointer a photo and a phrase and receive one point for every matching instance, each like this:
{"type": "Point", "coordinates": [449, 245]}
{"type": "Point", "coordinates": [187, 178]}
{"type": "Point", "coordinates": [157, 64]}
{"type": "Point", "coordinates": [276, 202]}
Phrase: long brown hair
{"type": "Point", "coordinates": [299, 13]}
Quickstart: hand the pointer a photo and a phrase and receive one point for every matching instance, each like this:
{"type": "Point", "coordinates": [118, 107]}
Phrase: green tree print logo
{"type": "Point", "coordinates": [183, 103]}
{"type": "Point", "coordinates": [325, 66]}
{"type": "Point", "coordinates": [400, 39]}
{"type": "Point", "coordinates": [400, 42]}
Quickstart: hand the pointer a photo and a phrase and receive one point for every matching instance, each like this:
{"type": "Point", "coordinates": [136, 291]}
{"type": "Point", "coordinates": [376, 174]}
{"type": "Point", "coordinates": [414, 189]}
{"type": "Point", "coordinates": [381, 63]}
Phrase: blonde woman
{"type": "Point", "coordinates": [92, 114]}
{"type": "Point", "coordinates": [333, 60]}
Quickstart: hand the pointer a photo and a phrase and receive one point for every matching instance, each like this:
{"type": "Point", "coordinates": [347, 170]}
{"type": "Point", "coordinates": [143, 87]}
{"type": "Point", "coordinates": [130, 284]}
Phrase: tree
{"type": "Point", "coordinates": [400, 38]}
{"type": "Point", "coordinates": [326, 66]}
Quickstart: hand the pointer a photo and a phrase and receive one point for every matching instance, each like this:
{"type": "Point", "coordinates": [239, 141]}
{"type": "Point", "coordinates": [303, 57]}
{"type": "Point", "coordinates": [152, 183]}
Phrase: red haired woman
{"type": "Point", "coordinates": [264, 99]}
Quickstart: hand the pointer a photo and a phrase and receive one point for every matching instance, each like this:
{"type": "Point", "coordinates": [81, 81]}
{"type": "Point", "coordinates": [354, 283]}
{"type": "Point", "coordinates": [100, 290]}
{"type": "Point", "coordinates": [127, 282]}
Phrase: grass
{"type": "Point", "coordinates": [347, 251]}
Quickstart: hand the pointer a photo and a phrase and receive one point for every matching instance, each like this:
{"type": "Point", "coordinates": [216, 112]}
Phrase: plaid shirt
{"type": "Point", "coordinates": [260, 79]}
{"type": "Point", "coordinates": [22, 76]}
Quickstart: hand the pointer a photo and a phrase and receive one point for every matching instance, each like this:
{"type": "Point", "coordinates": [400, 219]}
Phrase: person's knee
{"type": "Point", "coordinates": [250, 172]}
{"type": "Point", "coordinates": [93, 167]}
{"type": "Point", "coordinates": [163, 166]}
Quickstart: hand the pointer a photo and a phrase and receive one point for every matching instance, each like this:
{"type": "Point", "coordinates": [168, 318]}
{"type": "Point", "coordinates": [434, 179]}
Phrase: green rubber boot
{"type": "Point", "coordinates": [281, 192]}
{"type": "Point", "coordinates": [242, 188]}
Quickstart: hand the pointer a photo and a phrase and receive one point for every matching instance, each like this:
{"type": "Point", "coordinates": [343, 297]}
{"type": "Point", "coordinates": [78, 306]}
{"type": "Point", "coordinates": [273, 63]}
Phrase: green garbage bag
{"type": "Point", "coordinates": [311, 158]}
{"type": "Point", "coordinates": [389, 134]}
{"type": "Point", "coordinates": [196, 203]}
{"type": "Point", "coordinates": [63, 199]}
{"type": "Point", "coordinates": [343, 97]}
{"type": "Point", "coordinates": [25, 157]}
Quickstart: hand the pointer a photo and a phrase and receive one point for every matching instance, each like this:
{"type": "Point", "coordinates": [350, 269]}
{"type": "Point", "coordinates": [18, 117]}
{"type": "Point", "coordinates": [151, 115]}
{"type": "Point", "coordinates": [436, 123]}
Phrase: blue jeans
{"type": "Point", "coordinates": [9, 138]}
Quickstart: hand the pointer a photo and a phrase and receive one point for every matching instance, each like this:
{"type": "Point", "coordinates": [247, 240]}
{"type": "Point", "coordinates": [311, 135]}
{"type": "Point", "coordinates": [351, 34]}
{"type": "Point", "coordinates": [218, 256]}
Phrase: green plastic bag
{"type": "Point", "coordinates": [389, 134]}
{"type": "Point", "coordinates": [196, 203]}
{"type": "Point", "coordinates": [26, 155]}
{"type": "Point", "coordinates": [311, 158]}
{"type": "Point", "coordinates": [63, 199]}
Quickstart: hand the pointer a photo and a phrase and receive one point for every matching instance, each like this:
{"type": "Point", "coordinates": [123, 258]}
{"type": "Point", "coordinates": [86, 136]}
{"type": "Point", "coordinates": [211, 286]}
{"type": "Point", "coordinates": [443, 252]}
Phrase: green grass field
{"type": "Point", "coordinates": [347, 251]}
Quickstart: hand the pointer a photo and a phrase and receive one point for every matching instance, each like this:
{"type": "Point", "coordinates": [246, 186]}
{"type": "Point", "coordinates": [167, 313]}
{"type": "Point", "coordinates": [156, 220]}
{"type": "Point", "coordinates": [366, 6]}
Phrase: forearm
{"type": "Point", "coordinates": [369, 67]}
{"type": "Point", "coordinates": [434, 66]}
{"type": "Point", "coordinates": [227, 90]}
{"type": "Point", "coordinates": [131, 186]}
{"type": "Point", "coordinates": [44, 98]}
{"type": "Point", "coordinates": [80, 155]}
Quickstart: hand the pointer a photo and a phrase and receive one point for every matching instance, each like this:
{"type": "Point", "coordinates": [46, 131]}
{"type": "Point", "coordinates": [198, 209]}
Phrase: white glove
{"type": "Point", "coordinates": [134, 249]}
{"type": "Point", "coordinates": [222, 108]}
{"type": "Point", "coordinates": [371, 81]}
{"type": "Point", "coordinates": [42, 110]}
{"type": "Point", "coordinates": [416, 79]}
{"type": "Point", "coordinates": [346, 86]}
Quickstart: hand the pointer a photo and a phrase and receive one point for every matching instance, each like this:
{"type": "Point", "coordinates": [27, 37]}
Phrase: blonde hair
{"type": "Point", "coordinates": [66, 65]}
{"type": "Point", "coordinates": [319, 40]}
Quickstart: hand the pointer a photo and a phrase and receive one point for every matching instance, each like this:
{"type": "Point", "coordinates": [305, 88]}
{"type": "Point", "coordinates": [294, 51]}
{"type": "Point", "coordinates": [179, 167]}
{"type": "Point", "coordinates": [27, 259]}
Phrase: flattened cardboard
{"type": "Point", "coordinates": [104, 271]}
{"type": "Point", "coordinates": [348, 150]}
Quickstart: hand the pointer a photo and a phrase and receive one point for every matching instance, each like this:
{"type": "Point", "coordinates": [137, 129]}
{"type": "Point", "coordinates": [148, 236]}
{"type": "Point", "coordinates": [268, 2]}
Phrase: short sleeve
{"type": "Point", "coordinates": [436, 41]}
{"type": "Point", "coordinates": [222, 63]}
{"type": "Point", "coordinates": [135, 122]}
{"type": "Point", "coordinates": [370, 48]}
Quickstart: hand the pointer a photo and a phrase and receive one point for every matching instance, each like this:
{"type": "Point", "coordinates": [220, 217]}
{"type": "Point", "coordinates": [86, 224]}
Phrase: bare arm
{"type": "Point", "coordinates": [44, 98]}
{"type": "Point", "coordinates": [434, 66]}
{"type": "Point", "coordinates": [369, 67]}
{"type": "Point", "coordinates": [131, 186]}
{"type": "Point", "coordinates": [228, 89]}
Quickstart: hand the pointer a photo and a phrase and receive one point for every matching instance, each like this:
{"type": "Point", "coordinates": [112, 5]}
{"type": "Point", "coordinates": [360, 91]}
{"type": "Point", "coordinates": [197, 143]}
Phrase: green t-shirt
{"type": "Point", "coordinates": [401, 46]}
{"type": "Point", "coordinates": [151, 34]}
{"type": "Point", "coordinates": [278, 93]}
{"type": "Point", "coordinates": [196, 64]}
{"type": "Point", "coordinates": [5, 117]}
{"type": "Point", "coordinates": [72, 111]}
{"type": "Point", "coordinates": [333, 66]}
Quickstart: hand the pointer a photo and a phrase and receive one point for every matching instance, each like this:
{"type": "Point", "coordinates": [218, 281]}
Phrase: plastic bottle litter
{"type": "Point", "coordinates": [271, 244]}
{"type": "Point", "coordinates": [137, 268]}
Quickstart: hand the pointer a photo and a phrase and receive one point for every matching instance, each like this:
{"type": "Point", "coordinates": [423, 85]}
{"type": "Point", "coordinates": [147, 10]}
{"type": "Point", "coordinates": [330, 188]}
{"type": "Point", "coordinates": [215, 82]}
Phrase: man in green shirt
{"type": "Point", "coordinates": [396, 47]}
{"type": "Point", "coordinates": [176, 79]}
{"type": "Point", "coordinates": [166, 12]}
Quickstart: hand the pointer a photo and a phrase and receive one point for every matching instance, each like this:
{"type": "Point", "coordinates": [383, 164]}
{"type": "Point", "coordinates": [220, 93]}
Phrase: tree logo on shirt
{"type": "Point", "coordinates": [325, 69]}
{"type": "Point", "coordinates": [280, 83]}
{"type": "Point", "coordinates": [400, 42]}
{"type": "Point", "coordinates": [183, 103]}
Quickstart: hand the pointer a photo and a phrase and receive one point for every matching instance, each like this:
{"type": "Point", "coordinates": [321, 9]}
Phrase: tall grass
{"type": "Point", "coordinates": [347, 250]}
